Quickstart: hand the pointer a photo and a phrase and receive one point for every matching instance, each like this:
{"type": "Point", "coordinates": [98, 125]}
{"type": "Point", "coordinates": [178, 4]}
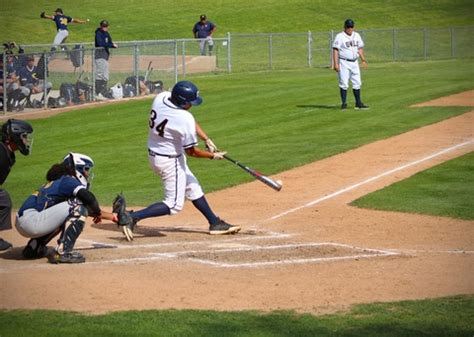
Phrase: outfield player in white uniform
{"type": "Point", "coordinates": [172, 136]}
{"type": "Point", "coordinates": [347, 48]}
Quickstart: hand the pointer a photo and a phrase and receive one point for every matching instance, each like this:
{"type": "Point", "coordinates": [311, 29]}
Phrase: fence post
{"type": "Point", "coordinates": [310, 49]}
{"type": "Point", "coordinates": [175, 61]}
{"type": "Point", "coordinates": [425, 43]}
{"type": "Point", "coordinates": [93, 74]}
{"type": "Point", "coordinates": [394, 44]}
{"type": "Point", "coordinates": [5, 97]}
{"type": "Point", "coordinates": [229, 60]}
{"type": "Point", "coordinates": [136, 67]}
{"type": "Point", "coordinates": [45, 81]}
{"type": "Point", "coordinates": [453, 43]}
{"type": "Point", "coordinates": [270, 51]}
{"type": "Point", "coordinates": [184, 58]}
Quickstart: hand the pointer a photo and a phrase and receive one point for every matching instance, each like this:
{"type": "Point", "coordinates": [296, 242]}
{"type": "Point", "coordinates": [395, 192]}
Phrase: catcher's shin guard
{"type": "Point", "coordinates": [74, 226]}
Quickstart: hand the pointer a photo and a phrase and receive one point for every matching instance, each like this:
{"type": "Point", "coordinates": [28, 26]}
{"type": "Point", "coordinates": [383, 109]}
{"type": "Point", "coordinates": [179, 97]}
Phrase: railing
{"type": "Point", "coordinates": [157, 65]}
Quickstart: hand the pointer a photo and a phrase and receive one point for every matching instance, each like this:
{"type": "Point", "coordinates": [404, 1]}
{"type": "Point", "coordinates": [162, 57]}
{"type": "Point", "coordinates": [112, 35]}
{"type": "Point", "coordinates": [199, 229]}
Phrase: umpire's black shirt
{"type": "Point", "coordinates": [7, 160]}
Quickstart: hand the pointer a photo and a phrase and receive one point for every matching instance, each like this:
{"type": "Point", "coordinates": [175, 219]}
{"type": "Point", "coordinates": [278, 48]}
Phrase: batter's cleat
{"type": "Point", "coordinates": [34, 250]}
{"type": "Point", "coordinates": [361, 107]}
{"type": "Point", "coordinates": [4, 245]}
{"type": "Point", "coordinates": [343, 106]}
{"type": "Point", "coordinates": [222, 227]}
{"type": "Point", "coordinates": [128, 229]}
{"type": "Point", "coordinates": [68, 257]}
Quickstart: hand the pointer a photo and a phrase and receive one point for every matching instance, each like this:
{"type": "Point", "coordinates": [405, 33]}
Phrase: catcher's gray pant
{"type": "Point", "coordinates": [34, 224]}
{"type": "Point", "coordinates": [101, 69]}
{"type": "Point", "coordinates": [60, 37]}
{"type": "Point", "coordinates": [5, 210]}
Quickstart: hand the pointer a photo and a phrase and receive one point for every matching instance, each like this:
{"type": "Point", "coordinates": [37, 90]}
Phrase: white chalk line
{"type": "Point", "coordinates": [369, 180]}
{"type": "Point", "coordinates": [132, 245]}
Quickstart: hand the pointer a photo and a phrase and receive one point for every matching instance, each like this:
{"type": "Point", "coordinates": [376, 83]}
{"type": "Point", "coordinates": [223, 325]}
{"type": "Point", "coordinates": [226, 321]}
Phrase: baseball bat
{"type": "Point", "coordinates": [258, 175]}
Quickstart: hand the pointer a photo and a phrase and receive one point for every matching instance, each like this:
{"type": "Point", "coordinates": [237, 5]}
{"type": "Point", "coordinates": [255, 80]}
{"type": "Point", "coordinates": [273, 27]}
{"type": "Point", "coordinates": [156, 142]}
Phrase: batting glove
{"type": "Point", "coordinates": [210, 146]}
{"type": "Point", "coordinates": [219, 155]}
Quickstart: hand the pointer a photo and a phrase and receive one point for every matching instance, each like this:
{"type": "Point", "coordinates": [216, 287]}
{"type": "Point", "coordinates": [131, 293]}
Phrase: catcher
{"type": "Point", "coordinates": [60, 207]}
{"type": "Point", "coordinates": [61, 22]}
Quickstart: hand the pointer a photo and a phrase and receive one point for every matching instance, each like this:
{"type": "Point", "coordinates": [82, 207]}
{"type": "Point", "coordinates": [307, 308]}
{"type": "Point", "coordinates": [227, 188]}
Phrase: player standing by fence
{"type": "Point", "coordinates": [203, 30]}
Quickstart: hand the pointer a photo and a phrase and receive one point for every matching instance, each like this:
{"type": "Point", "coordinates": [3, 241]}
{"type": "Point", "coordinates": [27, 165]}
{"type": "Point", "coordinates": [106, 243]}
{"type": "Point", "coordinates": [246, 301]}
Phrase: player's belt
{"type": "Point", "coordinates": [153, 154]}
{"type": "Point", "coordinates": [341, 58]}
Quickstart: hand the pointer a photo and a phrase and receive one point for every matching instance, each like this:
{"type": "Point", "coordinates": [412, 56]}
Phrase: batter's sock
{"type": "Point", "coordinates": [343, 95]}
{"type": "Point", "coordinates": [357, 96]}
{"type": "Point", "coordinates": [158, 209]}
{"type": "Point", "coordinates": [203, 207]}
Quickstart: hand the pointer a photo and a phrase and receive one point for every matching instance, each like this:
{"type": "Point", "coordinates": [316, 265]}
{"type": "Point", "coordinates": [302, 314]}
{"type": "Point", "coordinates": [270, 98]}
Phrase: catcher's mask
{"type": "Point", "coordinates": [19, 133]}
{"type": "Point", "coordinates": [82, 165]}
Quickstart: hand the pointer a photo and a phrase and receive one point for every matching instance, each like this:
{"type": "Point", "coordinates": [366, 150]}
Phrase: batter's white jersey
{"type": "Point", "coordinates": [172, 129]}
{"type": "Point", "coordinates": [348, 45]}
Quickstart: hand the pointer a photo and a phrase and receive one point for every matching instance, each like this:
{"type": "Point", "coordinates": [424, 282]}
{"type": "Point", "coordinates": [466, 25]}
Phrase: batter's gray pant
{"type": "Point", "coordinates": [5, 211]}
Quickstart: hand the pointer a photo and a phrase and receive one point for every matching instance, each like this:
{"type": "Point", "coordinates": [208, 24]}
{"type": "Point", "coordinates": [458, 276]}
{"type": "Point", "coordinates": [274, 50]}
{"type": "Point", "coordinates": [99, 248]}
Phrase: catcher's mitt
{"type": "Point", "coordinates": [42, 15]}
{"type": "Point", "coordinates": [124, 218]}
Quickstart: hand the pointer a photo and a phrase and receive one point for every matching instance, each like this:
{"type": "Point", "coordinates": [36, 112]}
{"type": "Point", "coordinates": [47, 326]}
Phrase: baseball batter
{"type": "Point", "coordinates": [347, 48]}
{"type": "Point", "coordinates": [172, 136]}
{"type": "Point", "coordinates": [61, 22]}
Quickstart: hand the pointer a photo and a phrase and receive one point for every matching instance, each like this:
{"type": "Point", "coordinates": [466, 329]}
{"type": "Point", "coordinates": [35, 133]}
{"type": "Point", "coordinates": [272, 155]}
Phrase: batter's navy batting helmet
{"type": "Point", "coordinates": [348, 23]}
{"type": "Point", "coordinates": [19, 133]}
{"type": "Point", "coordinates": [185, 92]}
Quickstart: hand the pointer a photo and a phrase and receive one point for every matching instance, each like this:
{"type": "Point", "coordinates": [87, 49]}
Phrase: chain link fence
{"type": "Point", "coordinates": [39, 78]}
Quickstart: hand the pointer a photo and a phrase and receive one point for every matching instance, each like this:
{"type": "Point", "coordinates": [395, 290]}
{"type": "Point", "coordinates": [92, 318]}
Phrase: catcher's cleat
{"type": "Point", "coordinates": [34, 250]}
{"type": "Point", "coordinates": [222, 227]}
{"type": "Point", "coordinates": [68, 257]}
{"type": "Point", "coordinates": [129, 228]}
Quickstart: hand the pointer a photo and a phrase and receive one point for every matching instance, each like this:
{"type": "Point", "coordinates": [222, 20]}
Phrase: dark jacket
{"type": "Point", "coordinates": [103, 39]}
{"type": "Point", "coordinates": [7, 160]}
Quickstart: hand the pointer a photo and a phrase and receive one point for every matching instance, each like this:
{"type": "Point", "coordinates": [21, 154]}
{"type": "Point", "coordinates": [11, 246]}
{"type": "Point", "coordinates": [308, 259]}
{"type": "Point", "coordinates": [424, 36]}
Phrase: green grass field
{"type": "Point", "coordinates": [167, 19]}
{"type": "Point", "coordinates": [444, 190]}
{"type": "Point", "coordinates": [439, 317]}
{"type": "Point", "coordinates": [294, 114]}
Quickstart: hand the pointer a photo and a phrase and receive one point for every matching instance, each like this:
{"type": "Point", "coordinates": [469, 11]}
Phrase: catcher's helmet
{"type": "Point", "coordinates": [19, 133]}
{"type": "Point", "coordinates": [349, 23]}
{"type": "Point", "coordinates": [185, 92]}
{"type": "Point", "coordinates": [82, 164]}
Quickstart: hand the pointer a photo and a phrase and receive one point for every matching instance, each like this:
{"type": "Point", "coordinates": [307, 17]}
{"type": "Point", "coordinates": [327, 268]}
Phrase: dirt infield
{"type": "Point", "coordinates": [303, 248]}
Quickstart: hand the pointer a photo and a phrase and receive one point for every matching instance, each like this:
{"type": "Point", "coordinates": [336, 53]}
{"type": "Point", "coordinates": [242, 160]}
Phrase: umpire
{"type": "Point", "coordinates": [16, 135]}
{"type": "Point", "coordinates": [103, 41]}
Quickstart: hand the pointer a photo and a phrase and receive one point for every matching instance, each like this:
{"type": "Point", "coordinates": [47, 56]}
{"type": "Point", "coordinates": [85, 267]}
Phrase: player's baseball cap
{"type": "Point", "coordinates": [348, 23]}
{"type": "Point", "coordinates": [58, 10]}
{"type": "Point", "coordinates": [203, 17]}
{"type": "Point", "coordinates": [104, 23]}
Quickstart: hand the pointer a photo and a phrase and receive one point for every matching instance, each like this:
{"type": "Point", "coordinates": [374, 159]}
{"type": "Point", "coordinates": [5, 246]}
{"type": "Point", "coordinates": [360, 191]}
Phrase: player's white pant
{"type": "Point", "coordinates": [33, 224]}
{"type": "Point", "coordinates": [349, 71]}
{"type": "Point", "coordinates": [202, 45]}
{"type": "Point", "coordinates": [102, 69]}
{"type": "Point", "coordinates": [60, 37]}
{"type": "Point", "coordinates": [178, 181]}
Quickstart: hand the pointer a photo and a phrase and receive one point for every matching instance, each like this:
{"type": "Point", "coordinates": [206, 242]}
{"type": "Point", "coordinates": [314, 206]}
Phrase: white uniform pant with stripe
{"type": "Point", "coordinates": [349, 70]}
{"type": "Point", "coordinates": [33, 224]}
{"type": "Point", "coordinates": [178, 181]}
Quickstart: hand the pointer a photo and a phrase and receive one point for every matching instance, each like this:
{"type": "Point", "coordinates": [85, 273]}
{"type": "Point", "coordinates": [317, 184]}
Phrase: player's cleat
{"type": "Point", "coordinates": [68, 257]}
{"type": "Point", "coordinates": [34, 250]}
{"type": "Point", "coordinates": [361, 107]}
{"type": "Point", "coordinates": [128, 230]}
{"type": "Point", "coordinates": [222, 227]}
{"type": "Point", "coordinates": [4, 245]}
{"type": "Point", "coordinates": [343, 106]}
